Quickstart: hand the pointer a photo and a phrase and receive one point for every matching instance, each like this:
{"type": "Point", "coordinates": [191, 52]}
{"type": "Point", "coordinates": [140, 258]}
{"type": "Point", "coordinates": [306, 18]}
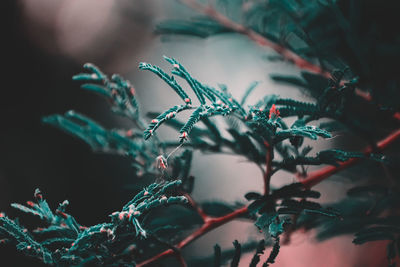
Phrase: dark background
{"type": "Point", "coordinates": [34, 155]}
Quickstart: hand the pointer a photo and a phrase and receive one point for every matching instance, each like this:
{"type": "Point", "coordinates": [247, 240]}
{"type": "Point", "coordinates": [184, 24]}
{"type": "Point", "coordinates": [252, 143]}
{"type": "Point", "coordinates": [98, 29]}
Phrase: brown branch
{"type": "Point", "coordinates": [318, 176]}
{"type": "Point", "coordinates": [261, 40]}
{"type": "Point", "coordinates": [181, 260]}
{"type": "Point", "coordinates": [196, 207]}
{"type": "Point", "coordinates": [209, 225]}
{"type": "Point", "coordinates": [256, 37]}
{"type": "Point", "coordinates": [311, 180]}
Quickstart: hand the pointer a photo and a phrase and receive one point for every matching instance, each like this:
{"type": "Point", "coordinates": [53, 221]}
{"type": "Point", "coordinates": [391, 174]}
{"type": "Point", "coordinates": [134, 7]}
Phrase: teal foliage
{"type": "Point", "coordinates": [222, 103]}
{"type": "Point", "coordinates": [270, 133]}
{"type": "Point", "coordinates": [311, 132]}
{"type": "Point", "coordinates": [237, 255]}
{"type": "Point", "coordinates": [193, 119]}
{"type": "Point", "coordinates": [217, 255]}
{"type": "Point", "coordinates": [115, 141]}
{"type": "Point", "coordinates": [198, 26]}
{"type": "Point", "coordinates": [331, 156]}
{"type": "Point", "coordinates": [259, 251]}
{"type": "Point", "coordinates": [248, 91]}
{"type": "Point", "coordinates": [64, 242]}
{"type": "Point", "coordinates": [272, 212]}
{"type": "Point", "coordinates": [274, 253]}
{"type": "Point", "coordinates": [168, 79]}
{"type": "Point", "coordinates": [165, 116]}
{"type": "Point", "coordinates": [283, 201]}
{"type": "Point", "coordinates": [92, 133]}
{"type": "Point", "coordinates": [181, 71]}
{"type": "Point", "coordinates": [364, 215]}
{"type": "Point", "coordinates": [118, 91]}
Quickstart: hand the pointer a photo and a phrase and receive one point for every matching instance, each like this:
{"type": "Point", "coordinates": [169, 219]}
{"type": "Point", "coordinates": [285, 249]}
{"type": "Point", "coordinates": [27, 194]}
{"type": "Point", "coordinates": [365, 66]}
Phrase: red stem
{"type": "Point", "coordinates": [318, 176]}
{"type": "Point", "coordinates": [181, 260]}
{"type": "Point", "coordinates": [193, 203]}
{"type": "Point", "coordinates": [311, 180]}
{"type": "Point", "coordinates": [256, 37]}
{"type": "Point", "coordinates": [209, 225]}
{"type": "Point", "coordinates": [265, 42]}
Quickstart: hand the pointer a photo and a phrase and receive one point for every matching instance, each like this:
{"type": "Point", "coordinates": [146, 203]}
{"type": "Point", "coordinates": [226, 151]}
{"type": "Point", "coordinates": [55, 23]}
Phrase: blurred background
{"type": "Point", "coordinates": [45, 42]}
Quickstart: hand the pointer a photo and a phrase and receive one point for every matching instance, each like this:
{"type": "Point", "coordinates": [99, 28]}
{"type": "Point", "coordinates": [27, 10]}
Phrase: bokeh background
{"type": "Point", "coordinates": [45, 42]}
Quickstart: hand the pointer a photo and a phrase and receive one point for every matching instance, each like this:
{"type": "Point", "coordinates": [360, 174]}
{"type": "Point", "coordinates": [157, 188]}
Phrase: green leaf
{"type": "Point", "coordinates": [163, 117]}
{"type": "Point", "coordinates": [97, 89]}
{"type": "Point", "coordinates": [259, 251]}
{"type": "Point", "coordinates": [245, 145]}
{"type": "Point", "coordinates": [252, 196]}
{"type": "Point", "coordinates": [64, 242]}
{"type": "Point", "coordinates": [379, 229]}
{"type": "Point", "coordinates": [236, 256]}
{"type": "Point", "coordinates": [92, 133]}
{"type": "Point", "coordinates": [276, 228]}
{"type": "Point", "coordinates": [292, 80]}
{"type": "Point", "coordinates": [264, 221]}
{"type": "Point", "coordinates": [216, 208]}
{"type": "Point", "coordinates": [93, 68]}
{"type": "Point", "coordinates": [375, 236]}
{"type": "Point", "coordinates": [248, 91]}
{"type": "Point", "coordinates": [199, 26]}
{"type": "Point", "coordinates": [391, 251]}
{"type": "Point", "coordinates": [300, 108]}
{"type": "Point", "coordinates": [333, 155]}
{"type": "Point", "coordinates": [311, 132]}
{"type": "Point", "coordinates": [168, 79]}
{"type": "Point", "coordinates": [27, 210]}
{"type": "Point", "coordinates": [295, 190]}
{"type": "Point", "coordinates": [182, 71]}
{"type": "Point", "coordinates": [217, 256]}
{"type": "Point", "coordinates": [86, 77]}
{"type": "Point", "coordinates": [193, 119]}
{"type": "Point", "coordinates": [274, 252]}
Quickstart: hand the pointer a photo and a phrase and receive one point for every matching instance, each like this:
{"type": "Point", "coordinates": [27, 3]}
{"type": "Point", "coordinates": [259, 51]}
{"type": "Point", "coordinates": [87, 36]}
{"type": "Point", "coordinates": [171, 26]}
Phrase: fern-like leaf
{"type": "Point", "coordinates": [195, 87]}
{"type": "Point", "coordinates": [193, 119]}
{"type": "Point", "coordinates": [168, 79]}
{"type": "Point", "coordinates": [163, 117]}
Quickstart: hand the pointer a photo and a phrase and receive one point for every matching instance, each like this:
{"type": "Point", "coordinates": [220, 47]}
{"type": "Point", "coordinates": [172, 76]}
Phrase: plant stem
{"type": "Point", "coordinates": [196, 207]}
{"type": "Point", "coordinates": [209, 225]}
{"type": "Point", "coordinates": [261, 40]}
{"type": "Point", "coordinates": [318, 176]}
{"type": "Point", "coordinates": [311, 180]}
{"type": "Point", "coordinates": [256, 37]}
{"type": "Point", "coordinates": [181, 260]}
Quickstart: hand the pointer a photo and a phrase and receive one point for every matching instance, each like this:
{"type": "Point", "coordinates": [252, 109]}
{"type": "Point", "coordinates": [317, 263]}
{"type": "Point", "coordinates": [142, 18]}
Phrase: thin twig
{"type": "Point", "coordinates": [318, 176]}
{"type": "Point", "coordinates": [211, 224]}
{"type": "Point", "coordinates": [181, 260]}
{"type": "Point", "coordinates": [256, 37]}
{"type": "Point", "coordinates": [196, 207]}
{"type": "Point", "coordinates": [263, 41]}
{"type": "Point", "coordinates": [312, 179]}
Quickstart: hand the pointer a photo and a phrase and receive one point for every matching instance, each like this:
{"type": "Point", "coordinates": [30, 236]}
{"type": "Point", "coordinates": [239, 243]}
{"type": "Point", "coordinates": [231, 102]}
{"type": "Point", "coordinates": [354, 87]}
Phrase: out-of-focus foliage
{"type": "Point", "coordinates": [356, 35]}
{"type": "Point", "coordinates": [62, 241]}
